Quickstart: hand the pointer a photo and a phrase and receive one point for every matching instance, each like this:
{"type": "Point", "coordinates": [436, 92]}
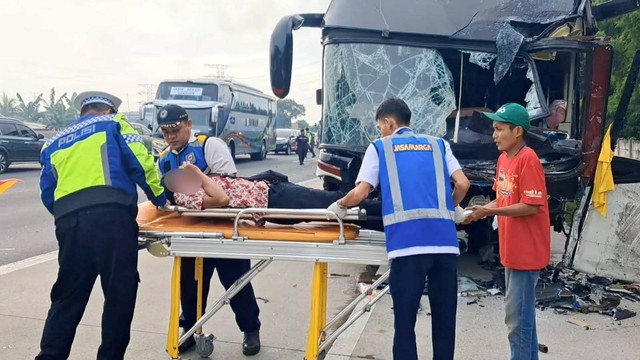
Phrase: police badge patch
{"type": "Point", "coordinates": [191, 157]}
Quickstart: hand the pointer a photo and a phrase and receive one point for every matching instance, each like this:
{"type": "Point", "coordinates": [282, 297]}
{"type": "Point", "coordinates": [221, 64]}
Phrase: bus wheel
{"type": "Point", "coordinates": [232, 149]}
{"type": "Point", "coordinates": [262, 154]}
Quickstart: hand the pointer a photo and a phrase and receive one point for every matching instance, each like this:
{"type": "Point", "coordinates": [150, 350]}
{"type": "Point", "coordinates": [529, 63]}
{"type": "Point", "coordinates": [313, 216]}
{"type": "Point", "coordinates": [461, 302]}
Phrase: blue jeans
{"type": "Point", "coordinates": [520, 307]}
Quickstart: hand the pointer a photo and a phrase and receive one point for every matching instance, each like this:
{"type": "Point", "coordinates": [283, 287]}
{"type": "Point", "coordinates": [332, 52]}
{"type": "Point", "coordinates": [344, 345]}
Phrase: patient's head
{"type": "Point", "coordinates": [183, 181]}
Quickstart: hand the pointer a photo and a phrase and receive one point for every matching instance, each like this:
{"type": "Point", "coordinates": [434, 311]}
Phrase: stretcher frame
{"type": "Point", "coordinates": [367, 249]}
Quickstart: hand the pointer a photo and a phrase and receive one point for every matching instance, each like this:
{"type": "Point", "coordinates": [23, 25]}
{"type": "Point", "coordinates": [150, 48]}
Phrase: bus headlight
{"type": "Point", "coordinates": [158, 145]}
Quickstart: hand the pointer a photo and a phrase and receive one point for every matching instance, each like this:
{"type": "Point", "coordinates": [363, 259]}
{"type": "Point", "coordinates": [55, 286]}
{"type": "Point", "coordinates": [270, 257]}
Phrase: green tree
{"type": "Point", "coordinates": [59, 112]}
{"type": "Point", "coordinates": [625, 31]}
{"type": "Point", "coordinates": [287, 111]}
{"type": "Point", "coordinates": [8, 106]}
{"type": "Point", "coordinates": [29, 111]}
{"type": "Point", "coordinates": [302, 124]}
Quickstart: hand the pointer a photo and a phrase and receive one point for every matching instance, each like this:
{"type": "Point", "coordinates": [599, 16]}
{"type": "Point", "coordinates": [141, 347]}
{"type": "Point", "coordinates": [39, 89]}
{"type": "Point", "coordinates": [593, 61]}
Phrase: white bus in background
{"type": "Point", "coordinates": [242, 116]}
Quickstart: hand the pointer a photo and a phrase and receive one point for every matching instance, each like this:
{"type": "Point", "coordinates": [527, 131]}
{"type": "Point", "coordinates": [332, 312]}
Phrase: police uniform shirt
{"type": "Point", "coordinates": [217, 156]}
{"type": "Point", "coordinates": [370, 168]}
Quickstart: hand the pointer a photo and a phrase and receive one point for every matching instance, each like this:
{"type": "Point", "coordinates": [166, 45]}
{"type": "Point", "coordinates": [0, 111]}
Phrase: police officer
{"type": "Point", "coordinates": [302, 146]}
{"type": "Point", "coordinates": [88, 182]}
{"type": "Point", "coordinates": [418, 204]}
{"type": "Point", "coordinates": [212, 156]}
{"type": "Point", "coordinates": [312, 143]}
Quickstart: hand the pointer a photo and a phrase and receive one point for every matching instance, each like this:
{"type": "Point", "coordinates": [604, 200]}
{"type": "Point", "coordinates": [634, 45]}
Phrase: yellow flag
{"type": "Point", "coordinates": [603, 182]}
{"type": "Point", "coordinates": [7, 184]}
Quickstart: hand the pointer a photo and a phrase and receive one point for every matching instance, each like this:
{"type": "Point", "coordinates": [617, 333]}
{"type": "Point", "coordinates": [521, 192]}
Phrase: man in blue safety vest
{"type": "Point", "coordinates": [88, 182]}
{"type": "Point", "coordinates": [212, 156]}
{"type": "Point", "coordinates": [419, 209]}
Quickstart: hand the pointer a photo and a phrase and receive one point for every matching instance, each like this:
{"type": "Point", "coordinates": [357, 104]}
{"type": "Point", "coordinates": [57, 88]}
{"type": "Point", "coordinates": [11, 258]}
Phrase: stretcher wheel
{"type": "Point", "coordinates": [204, 345]}
{"type": "Point", "coordinates": [322, 355]}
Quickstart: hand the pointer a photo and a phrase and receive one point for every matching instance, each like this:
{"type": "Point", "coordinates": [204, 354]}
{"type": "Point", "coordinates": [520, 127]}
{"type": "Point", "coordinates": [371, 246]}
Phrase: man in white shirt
{"type": "Point", "coordinates": [212, 156]}
{"type": "Point", "coordinates": [414, 173]}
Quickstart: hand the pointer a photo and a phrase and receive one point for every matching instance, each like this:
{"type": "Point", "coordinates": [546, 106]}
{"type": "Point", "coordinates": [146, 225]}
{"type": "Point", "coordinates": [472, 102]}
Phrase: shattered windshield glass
{"type": "Point", "coordinates": [481, 59]}
{"type": "Point", "coordinates": [358, 77]}
{"type": "Point", "coordinates": [533, 102]}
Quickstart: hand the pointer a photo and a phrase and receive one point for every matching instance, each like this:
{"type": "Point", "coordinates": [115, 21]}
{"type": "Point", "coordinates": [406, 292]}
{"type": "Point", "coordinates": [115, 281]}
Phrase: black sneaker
{"type": "Point", "coordinates": [187, 345]}
{"type": "Point", "coordinates": [251, 343]}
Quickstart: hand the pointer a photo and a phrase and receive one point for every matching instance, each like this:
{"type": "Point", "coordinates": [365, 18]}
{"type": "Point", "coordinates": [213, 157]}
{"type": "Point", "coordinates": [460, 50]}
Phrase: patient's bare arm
{"type": "Point", "coordinates": [214, 196]}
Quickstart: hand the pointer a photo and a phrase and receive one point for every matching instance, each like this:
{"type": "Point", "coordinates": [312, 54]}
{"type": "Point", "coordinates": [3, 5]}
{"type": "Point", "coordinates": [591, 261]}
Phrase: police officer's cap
{"type": "Point", "coordinates": [96, 97]}
{"type": "Point", "coordinates": [171, 115]}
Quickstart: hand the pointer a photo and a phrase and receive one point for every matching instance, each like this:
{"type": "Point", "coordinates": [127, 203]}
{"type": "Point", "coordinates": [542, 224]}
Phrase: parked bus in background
{"type": "Point", "coordinates": [242, 116]}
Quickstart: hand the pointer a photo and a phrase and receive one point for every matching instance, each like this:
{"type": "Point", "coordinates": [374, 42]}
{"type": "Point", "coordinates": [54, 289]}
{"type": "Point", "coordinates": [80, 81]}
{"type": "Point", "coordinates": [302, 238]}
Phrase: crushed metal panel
{"type": "Point", "coordinates": [611, 246]}
{"type": "Point", "coordinates": [474, 20]}
{"type": "Point", "coordinates": [595, 106]}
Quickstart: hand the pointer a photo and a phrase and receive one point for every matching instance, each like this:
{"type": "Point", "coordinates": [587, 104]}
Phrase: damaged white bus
{"type": "Point", "coordinates": [451, 59]}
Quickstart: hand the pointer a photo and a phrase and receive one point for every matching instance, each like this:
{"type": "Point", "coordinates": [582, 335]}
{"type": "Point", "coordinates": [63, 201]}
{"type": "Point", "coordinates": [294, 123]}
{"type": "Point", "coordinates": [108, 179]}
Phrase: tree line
{"type": "Point", "coordinates": [56, 112]}
{"type": "Point", "coordinates": [625, 32]}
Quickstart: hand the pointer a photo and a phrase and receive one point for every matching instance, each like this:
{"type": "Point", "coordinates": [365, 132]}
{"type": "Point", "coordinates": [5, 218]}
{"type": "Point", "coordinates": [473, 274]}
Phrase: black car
{"type": "Point", "coordinates": [18, 143]}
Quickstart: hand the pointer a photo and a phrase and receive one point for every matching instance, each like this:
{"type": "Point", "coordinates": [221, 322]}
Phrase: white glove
{"type": "Point", "coordinates": [340, 210]}
{"type": "Point", "coordinates": [459, 215]}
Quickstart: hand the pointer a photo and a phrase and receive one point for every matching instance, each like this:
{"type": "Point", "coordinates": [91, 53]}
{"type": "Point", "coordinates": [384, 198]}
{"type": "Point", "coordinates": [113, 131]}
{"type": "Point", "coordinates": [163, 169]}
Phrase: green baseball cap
{"type": "Point", "coordinates": [511, 113]}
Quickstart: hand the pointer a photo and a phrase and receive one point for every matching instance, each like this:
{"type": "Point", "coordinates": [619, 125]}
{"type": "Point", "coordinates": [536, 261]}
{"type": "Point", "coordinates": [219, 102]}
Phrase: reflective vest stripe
{"type": "Point", "coordinates": [399, 214]}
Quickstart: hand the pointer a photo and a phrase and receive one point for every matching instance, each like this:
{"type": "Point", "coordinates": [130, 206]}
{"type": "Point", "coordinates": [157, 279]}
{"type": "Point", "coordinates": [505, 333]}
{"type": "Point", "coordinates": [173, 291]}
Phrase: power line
{"type": "Point", "coordinates": [148, 92]}
{"type": "Point", "coordinates": [220, 68]}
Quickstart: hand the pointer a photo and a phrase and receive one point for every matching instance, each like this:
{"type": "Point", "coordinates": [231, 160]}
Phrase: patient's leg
{"type": "Point", "coordinates": [286, 195]}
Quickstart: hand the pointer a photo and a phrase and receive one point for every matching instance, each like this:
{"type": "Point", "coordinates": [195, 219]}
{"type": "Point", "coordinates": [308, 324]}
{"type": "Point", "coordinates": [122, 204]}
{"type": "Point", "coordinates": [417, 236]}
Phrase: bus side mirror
{"type": "Point", "coordinates": [281, 50]}
{"type": "Point", "coordinates": [319, 97]}
{"type": "Point", "coordinates": [281, 54]}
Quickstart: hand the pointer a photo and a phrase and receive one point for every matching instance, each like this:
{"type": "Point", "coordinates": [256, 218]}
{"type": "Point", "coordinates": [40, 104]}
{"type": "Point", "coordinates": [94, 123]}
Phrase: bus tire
{"type": "Point", "coordinates": [232, 150]}
{"type": "Point", "coordinates": [262, 154]}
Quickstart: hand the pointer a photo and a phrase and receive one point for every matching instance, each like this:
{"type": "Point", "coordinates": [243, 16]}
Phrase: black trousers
{"type": "Point", "coordinates": [407, 280]}
{"type": "Point", "coordinates": [102, 241]}
{"type": "Point", "coordinates": [286, 195]}
{"type": "Point", "coordinates": [302, 153]}
{"type": "Point", "coordinates": [243, 304]}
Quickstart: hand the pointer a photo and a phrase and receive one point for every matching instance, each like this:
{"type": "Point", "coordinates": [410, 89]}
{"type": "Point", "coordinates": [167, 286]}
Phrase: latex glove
{"type": "Point", "coordinates": [460, 216]}
{"type": "Point", "coordinates": [341, 211]}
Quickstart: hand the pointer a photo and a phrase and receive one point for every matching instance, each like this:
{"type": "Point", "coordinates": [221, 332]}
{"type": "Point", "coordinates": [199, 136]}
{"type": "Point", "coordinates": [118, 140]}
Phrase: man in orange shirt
{"type": "Point", "coordinates": [523, 225]}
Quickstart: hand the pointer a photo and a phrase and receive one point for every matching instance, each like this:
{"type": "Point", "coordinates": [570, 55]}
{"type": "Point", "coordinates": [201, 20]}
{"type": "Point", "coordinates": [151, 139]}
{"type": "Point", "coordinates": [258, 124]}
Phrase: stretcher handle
{"type": "Point", "coordinates": [352, 214]}
{"type": "Point", "coordinates": [302, 212]}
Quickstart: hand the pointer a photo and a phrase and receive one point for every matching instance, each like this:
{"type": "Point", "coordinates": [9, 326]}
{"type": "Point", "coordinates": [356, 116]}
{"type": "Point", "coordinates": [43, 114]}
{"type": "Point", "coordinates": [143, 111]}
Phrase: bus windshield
{"type": "Point", "coordinates": [358, 77]}
{"type": "Point", "coordinates": [187, 91]}
{"type": "Point", "coordinates": [200, 119]}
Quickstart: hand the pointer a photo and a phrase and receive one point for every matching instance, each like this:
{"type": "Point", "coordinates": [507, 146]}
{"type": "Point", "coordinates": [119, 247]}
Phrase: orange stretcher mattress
{"type": "Point", "coordinates": [151, 219]}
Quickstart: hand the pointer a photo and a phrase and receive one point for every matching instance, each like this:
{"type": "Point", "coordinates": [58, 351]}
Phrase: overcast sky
{"type": "Point", "coordinates": [115, 45]}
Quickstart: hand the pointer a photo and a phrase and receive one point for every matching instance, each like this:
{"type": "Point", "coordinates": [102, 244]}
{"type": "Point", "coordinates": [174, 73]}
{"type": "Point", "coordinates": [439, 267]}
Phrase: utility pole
{"type": "Point", "coordinates": [148, 92]}
{"type": "Point", "coordinates": [220, 68]}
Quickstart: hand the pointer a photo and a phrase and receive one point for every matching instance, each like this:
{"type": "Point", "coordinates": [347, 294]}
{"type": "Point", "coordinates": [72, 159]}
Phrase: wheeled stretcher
{"type": "Point", "coordinates": [223, 233]}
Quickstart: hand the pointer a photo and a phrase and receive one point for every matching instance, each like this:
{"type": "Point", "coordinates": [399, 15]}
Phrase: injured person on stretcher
{"type": "Point", "coordinates": [193, 189]}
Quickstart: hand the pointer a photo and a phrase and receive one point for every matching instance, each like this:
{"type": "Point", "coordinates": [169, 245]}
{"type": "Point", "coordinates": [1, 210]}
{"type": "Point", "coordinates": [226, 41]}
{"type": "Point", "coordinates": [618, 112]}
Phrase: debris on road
{"type": "Point", "coordinates": [621, 314]}
{"type": "Point", "coordinates": [265, 300]}
{"type": "Point", "coordinates": [334, 275]}
{"type": "Point", "coordinates": [579, 322]}
{"type": "Point", "coordinates": [543, 348]}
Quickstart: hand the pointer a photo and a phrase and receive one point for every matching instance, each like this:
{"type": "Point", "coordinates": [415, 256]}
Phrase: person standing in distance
{"type": "Point", "coordinates": [312, 143]}
{"type": "Point", "coordinates": [212, 156]}
{"type": "Point", "coordinates": [415, 173]}
{"type": "Point", "coordinates": [88, 182]}
{"type": "Point", "coordinates": [303, 146]}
